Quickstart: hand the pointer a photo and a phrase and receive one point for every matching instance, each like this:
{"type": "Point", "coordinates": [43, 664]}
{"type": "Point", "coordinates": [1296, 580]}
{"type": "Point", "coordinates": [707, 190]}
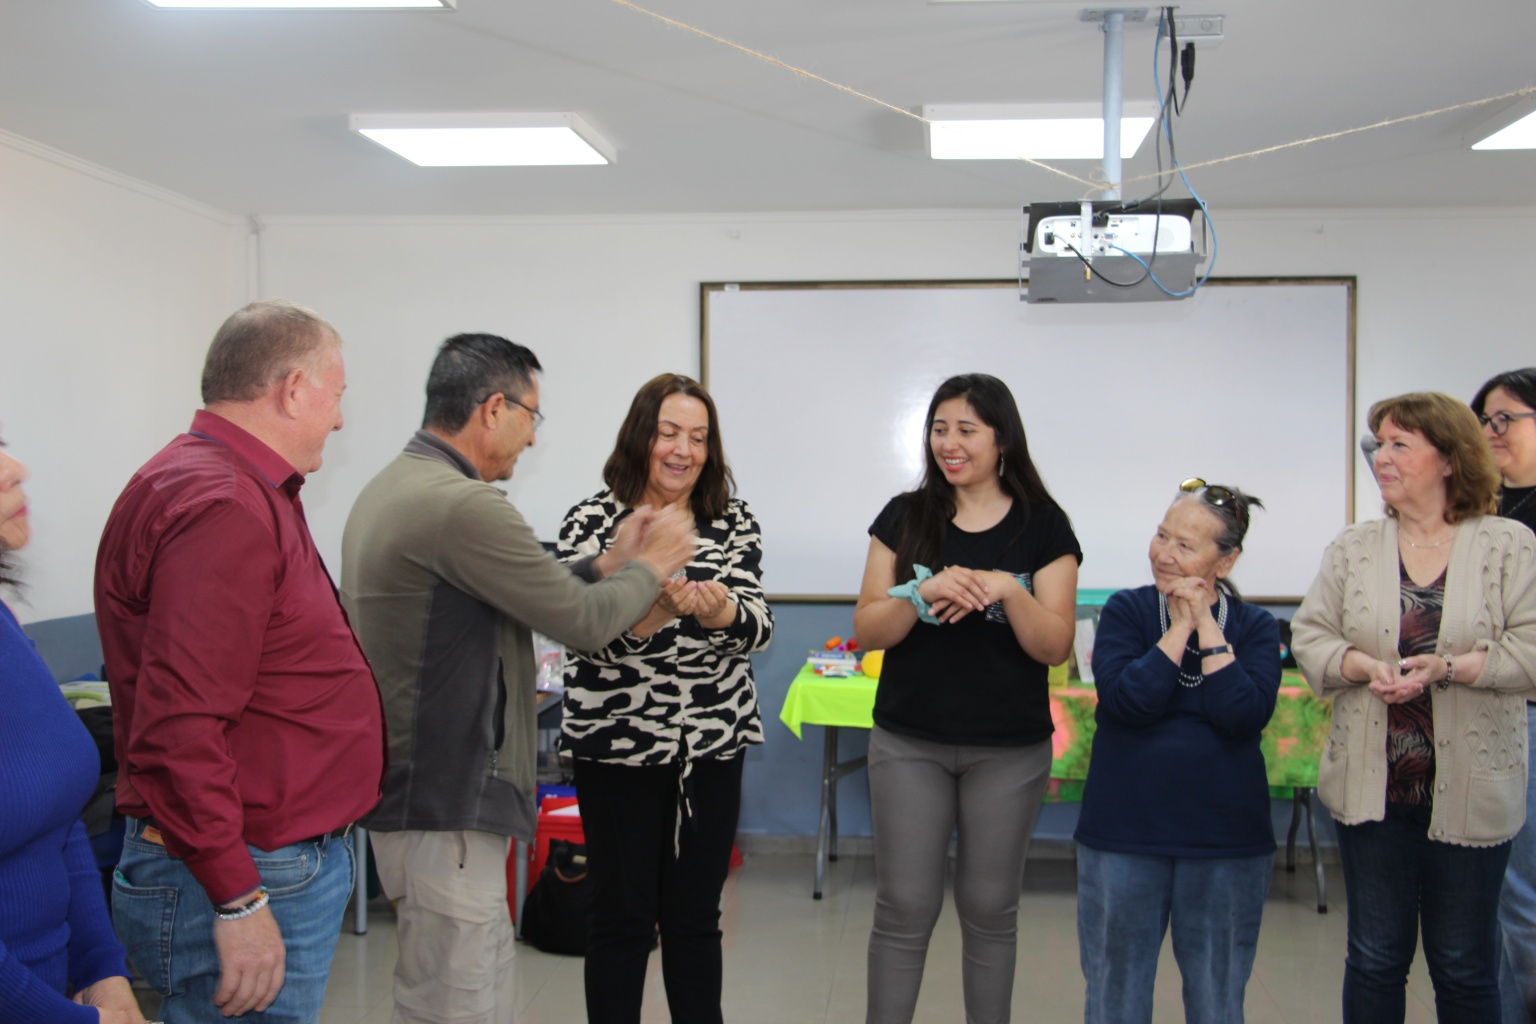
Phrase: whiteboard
{"type": "Point", "coordinates": [822, 391]}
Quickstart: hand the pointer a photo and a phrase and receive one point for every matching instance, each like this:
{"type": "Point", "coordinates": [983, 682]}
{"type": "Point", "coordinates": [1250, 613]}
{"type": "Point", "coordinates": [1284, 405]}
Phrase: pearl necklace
{"type": "Point", "coordinates": [1185, 679]}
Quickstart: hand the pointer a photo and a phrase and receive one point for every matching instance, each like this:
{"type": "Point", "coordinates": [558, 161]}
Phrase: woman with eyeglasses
{"type": "Point", "coordinates": [970, 587]}
{"type": "Point", "coordinates": [1421, 628]}
{"type": "Point", "coordinates": [1175, 827]}
{"type": "Point", "coordinates": [60, 963]}
{"type": "Point", "coordinates": [1506, 407]}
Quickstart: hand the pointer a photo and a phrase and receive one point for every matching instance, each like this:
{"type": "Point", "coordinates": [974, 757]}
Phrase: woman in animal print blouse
{"type": "Point", "coordinates": [658, 721]}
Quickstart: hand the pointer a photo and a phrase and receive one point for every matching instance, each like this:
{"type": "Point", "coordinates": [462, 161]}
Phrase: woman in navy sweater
{"type": "Point", "coordinates": [55, 935]}
{"type": "Point", "coordinates": [1175, 824]}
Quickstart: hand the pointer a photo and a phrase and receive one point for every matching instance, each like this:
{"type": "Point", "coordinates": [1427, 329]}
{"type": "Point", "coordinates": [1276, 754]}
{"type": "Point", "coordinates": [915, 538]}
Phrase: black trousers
{"type": "Point", "coordinates": [629, 814]}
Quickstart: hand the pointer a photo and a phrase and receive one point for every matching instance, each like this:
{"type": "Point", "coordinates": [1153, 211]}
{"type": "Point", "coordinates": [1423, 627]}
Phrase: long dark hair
{"type": "Point", "coordinates": [628, 468]}
{"type": "Point", "coordinates": [930, 508]}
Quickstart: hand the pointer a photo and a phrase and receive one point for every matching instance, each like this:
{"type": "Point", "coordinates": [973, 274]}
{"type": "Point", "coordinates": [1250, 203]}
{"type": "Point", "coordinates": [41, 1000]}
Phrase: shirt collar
{"type": "Point", "coordinates": [278, 471]}
{"type": "Point", "coordinates": [433, 447]}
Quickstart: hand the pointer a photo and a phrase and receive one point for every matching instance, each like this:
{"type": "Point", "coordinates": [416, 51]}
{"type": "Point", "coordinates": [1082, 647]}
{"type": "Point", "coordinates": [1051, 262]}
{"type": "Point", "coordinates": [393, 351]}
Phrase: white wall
{"type": "Point", "coordinates": [110, 290]}
{"type": "Point", "coordinates": [109, 293]}
{"type": "Point", "coordinates": [607, 304]}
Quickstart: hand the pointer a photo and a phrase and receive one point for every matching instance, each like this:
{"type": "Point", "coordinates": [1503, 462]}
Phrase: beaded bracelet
{"type": "Point", "coordinates": [246, 911]}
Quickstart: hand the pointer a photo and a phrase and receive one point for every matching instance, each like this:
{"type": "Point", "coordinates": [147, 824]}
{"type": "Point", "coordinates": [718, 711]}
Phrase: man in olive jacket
{"type": "Point", "coordinates": [444, 581]}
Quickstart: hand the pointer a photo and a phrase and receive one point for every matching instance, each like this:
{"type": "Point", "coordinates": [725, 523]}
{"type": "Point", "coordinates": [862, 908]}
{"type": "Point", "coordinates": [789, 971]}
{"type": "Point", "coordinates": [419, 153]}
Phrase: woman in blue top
{"type": "Point", "coordinates": [55, 934]}
{"type": "Point", "coordinates": [1175, 824]}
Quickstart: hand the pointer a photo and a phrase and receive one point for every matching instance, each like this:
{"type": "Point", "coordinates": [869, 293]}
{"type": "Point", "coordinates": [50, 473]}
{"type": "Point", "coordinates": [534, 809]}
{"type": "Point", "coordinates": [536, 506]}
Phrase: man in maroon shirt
{"type": "Point", "coordinates": [249, 730]}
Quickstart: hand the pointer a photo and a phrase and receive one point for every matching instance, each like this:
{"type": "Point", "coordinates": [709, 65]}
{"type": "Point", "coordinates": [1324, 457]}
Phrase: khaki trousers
{"type": "Point", "coordinates": [456, 937]}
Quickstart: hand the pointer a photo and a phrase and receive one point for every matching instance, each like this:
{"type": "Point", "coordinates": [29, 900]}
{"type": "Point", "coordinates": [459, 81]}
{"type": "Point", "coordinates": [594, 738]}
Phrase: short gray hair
{"type": "Point", "coordinates": [1230, 506]}
{"type": "Point", "coordinates": [258, 346]}
{"type": "Point", "coordinates": [470, 368]}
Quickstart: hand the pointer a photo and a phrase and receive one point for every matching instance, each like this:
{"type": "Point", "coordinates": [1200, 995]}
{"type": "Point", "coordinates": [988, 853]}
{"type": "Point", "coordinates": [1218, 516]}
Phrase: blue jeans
{"type": "Point", "coordinates": [1517, 907]}
{"type": "Point", "coordinates": [165, 919]}
{"type": "Point", "coordinates": [1396, 879]}
{"type": "Point", "coordinates": [1125, 903]}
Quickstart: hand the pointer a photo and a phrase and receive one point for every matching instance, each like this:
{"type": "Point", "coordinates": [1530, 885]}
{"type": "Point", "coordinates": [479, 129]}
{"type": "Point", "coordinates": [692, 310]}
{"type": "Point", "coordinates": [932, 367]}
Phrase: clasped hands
{"type": "Point", "coordinates": [703, 599]}
{"type": "Point", "coordinates": [1189, 604]}
{"type": "Point", "coordinates": [1405, 680]}
{"type": "Point", "coordinates": [955, 592]}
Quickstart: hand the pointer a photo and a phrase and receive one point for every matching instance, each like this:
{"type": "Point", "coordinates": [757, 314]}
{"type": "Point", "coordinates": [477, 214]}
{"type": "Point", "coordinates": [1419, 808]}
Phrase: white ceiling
{"type": "Point", "coordinates": [247, 111]}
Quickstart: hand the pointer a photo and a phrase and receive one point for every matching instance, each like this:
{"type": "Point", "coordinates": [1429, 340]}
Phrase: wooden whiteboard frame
{"type": "Point", "coordinates": [1348, 282]}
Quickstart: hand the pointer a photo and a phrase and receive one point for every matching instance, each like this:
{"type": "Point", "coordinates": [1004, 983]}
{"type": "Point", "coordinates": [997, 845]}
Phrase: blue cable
{"type": "Point", "coordinates": [1157, 87]}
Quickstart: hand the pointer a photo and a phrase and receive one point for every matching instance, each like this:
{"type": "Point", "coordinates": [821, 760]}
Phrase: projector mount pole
{"type": "Point", "coordinates": [1112, 22]}
{"type": "Point", "coordinates": [1114, 95]}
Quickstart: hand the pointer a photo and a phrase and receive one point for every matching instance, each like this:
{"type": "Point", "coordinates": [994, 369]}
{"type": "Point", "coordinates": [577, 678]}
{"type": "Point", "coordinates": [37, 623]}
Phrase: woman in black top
{"type": "Point", "coordinates": [1506, 407]}
{"type": "Point", "coordinates": [971, 588]}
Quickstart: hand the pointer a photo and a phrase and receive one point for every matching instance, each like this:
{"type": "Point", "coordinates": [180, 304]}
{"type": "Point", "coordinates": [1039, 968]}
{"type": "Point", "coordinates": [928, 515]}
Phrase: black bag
{"type": "Point", "coordinates": [558, 911]}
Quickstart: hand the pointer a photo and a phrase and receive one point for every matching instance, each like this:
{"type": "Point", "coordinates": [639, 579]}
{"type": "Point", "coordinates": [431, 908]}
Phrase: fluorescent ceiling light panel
{"type": "Point", "coordinates": [487, 140]}
{"type": "Point", "coordinates": [332, 5]}
{"type": "Point", "coordinates": [1062, 131]}
{"type": "Point", "coordinates": [1520, 135]}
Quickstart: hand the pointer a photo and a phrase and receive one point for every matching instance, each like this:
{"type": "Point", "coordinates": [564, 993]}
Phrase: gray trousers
{"type": "Point", "coordinates": [920, 792]}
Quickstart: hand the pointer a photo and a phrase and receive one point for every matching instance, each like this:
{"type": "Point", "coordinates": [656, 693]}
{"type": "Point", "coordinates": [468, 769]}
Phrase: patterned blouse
{"type": "Point", "coordinates": [1411, 724]}
{"type": "Point", "coordinates": [685, 692]}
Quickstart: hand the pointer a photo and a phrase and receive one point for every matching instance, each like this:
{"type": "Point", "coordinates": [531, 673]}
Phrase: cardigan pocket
{"type": "Point", "coordinates": [1332, 774]}
{"type": "Point", "coordinates": [1495, 804]}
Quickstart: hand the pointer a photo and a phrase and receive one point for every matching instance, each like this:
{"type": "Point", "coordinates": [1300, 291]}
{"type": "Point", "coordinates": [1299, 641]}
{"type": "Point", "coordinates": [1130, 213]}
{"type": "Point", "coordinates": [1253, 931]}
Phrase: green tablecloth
{"type": "Point", "coordinates": [1292, 743]}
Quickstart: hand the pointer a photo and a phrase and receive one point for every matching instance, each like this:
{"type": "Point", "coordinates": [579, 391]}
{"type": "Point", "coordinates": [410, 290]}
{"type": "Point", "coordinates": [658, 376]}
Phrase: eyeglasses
{"type": "Point", "coordinates": [538, 417]}
{"type": "Point", "coordinates": [1499, 421]}
{"type": "Point", "coordinates": [1216, 495]}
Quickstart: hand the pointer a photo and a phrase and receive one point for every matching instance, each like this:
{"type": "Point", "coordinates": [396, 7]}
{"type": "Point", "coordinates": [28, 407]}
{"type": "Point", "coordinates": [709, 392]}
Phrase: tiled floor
{"type": "Point", "coordinates": [792, 960]}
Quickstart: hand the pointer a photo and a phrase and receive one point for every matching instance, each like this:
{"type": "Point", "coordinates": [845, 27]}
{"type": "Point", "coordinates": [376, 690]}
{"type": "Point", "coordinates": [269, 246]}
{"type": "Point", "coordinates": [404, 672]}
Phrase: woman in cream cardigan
{"type": "Point", "coordinates": [1421, 627]}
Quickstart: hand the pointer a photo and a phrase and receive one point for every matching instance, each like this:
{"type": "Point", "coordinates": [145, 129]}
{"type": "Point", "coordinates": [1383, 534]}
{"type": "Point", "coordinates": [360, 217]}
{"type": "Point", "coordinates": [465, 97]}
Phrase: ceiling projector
{"type": "Point", "coordinates": [1138, 251]}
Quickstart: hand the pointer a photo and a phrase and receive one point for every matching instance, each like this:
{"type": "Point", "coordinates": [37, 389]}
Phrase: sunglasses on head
{"type": "Point", "coordinates": [1215, 495]}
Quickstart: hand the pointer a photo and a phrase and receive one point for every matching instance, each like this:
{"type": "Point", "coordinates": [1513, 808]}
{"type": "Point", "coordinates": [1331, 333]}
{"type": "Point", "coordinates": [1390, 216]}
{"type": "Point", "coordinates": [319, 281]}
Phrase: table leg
{"type": "Point", "coordinates": [826, 818]}
{"type": "Point", "coordinates": [1317, 861]}
{"type": "Point", "coordinates": [1298, 800]}
{"type": "Point", "coordinates": [360, 881]}
{"type": "Point", "coordinates": [832, 809]}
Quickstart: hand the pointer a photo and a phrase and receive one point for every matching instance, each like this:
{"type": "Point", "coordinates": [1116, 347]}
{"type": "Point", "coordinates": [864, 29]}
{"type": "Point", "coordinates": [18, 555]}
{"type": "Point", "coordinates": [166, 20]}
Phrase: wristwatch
{"type": "Point", "coordinates": [1211, 652]}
